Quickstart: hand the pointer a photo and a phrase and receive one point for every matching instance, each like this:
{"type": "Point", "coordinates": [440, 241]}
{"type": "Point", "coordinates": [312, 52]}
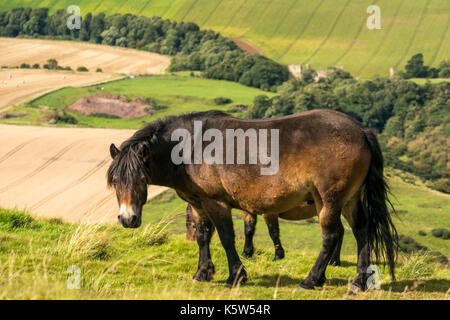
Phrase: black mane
{"type": "Point", "coordinates": [128, 167]}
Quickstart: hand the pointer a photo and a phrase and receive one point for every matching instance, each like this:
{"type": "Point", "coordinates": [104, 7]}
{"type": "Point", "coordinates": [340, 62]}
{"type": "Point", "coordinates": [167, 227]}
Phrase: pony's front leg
{"type": "Point", "coordinates": [220, 213]}
{"type": "Point", "coordinates": [204, 231]}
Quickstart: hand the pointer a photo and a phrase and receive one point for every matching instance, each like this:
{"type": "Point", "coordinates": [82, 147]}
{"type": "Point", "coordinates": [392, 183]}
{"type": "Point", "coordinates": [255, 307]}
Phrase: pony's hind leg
{"type": "Point", "coordinates": [274, 232]}
{"type": "Point", "coordinates": [336, 257]}
{"type": "Point", "coordinates": [249, 230]}
{"type": "Point", "coordinates": [204, 231]}
{"type": "Point", "coordinates": [332, 231]}
{"type": "Point", "coordinates": [356, 217]}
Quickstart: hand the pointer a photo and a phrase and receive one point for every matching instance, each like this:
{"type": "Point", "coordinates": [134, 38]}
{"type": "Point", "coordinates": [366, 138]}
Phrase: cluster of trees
{"type": "Point", "coordinates": [52, 64]}
{"type": "Point", "coordinates": [192, 49]}
{"type": "Point", "coordinates": [415, 68]}
{"type": "Point", "coordinates": [413, 120]}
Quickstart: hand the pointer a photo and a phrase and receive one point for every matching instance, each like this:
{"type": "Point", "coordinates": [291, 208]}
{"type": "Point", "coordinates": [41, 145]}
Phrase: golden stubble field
{"type": "Point", "coordinates": [17, 85]}
{"type": "Point", "coordinates": [60, 172]}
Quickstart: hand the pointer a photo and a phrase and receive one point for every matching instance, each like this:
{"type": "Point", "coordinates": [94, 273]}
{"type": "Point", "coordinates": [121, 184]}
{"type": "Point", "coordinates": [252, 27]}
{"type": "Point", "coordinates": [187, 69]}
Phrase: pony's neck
{"type": "Point", "coordinates": [163, 171]}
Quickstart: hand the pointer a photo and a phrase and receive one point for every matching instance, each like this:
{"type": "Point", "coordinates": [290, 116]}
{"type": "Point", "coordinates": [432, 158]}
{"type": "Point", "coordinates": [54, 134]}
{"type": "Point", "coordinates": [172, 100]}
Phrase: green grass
{"type": "Point", "coordinates": [177, 93]}
{"type": "Point", "coordinates": [156, 262]}
{"type": "Point", "coordinates": [322, 33]}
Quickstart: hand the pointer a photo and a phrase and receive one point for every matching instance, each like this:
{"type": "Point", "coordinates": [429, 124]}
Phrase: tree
{"type": "Point", "coordinates": [37, 22]}
{"type": "Point", "coordinates": [52, 64]}
{"type": "Point", "coordinates": [85, 31]}
{"type": "Point", "coordinates": [415, 68]}
{"type": "Point", "coordinates": [110, 36]}
{"type": "Point", "coordinates": [260, 105]}
{"type": "Point", "coordinates": [97, 27]}
{"type": "Point", "coordinates": [444, 69]}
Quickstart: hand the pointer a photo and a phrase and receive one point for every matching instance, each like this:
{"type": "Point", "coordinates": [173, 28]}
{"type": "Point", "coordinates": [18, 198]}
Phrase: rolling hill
{"type": "Point", "coordinates": [321, 33]}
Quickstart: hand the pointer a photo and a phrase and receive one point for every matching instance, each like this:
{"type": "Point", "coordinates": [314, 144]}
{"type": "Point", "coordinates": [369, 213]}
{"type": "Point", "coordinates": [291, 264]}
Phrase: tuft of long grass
{"type": "Point", "coordinates": [417, 265]}
{"type": "Point", "coordinates": [153, 234]}
{"type": "Point", "coordinates": [11, 220]}
{"type": "Point", "coordinates": [87, 241]}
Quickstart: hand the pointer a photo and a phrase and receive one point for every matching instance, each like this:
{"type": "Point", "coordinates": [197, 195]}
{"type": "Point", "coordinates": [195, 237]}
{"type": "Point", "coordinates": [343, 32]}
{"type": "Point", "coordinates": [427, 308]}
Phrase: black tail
{"type": "Point", "coordinates": [383, 237]}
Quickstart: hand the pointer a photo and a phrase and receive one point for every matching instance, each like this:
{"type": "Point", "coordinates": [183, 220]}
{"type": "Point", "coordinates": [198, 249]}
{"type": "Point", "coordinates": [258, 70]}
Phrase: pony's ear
{"type": "Point", "coordinates": [113, 150]}
{"type": "Point", "coordinates": [144, 152]}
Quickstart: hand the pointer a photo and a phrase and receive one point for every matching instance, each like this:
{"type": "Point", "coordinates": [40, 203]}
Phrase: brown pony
{"type": "Point", "coordinates": [302, 212]}
{"type": "Point", "coordinates": [324, 156]}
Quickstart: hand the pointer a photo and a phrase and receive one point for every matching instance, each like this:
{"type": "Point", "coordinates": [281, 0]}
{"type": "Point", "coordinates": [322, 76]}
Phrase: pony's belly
{"type": "Point", "coordinates": [273, 204]}
{"type": "Point", "coordinates": [302, 212]}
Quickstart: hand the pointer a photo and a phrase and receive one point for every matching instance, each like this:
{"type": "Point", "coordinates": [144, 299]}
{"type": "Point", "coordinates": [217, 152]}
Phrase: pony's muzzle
{"type": "Point", "coordinates": [128, 217]}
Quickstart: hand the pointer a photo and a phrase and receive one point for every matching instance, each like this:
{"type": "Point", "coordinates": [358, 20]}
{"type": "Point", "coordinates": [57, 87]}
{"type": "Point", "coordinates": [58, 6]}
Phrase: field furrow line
{"type": "Point", "coordinates": [355, 39]}
{"type": "Point", "coordinates": [145, 6]}
{"type": "Point", "coordinates": [383, 40]}
{"type": "Point", "coordinates": [71, 185]}
{"type": "Point", "coordinates": [329, 32]}
{"type": "Point", "coordinates": [189, 10]}
{"type": "Point", "coordinates": [441, 42]}
{"type": "Point", "coordinates": [120, 6]}
{"type": "Point", "coordinates": [302, 32]}
{"type": "Point", "coordinates": [411, 41]}
{"type": "Point", "coordinates": [264, 10]}
{"type": "Point", "coordinates": [263, 43]}
{"type": "Point", "coordinates": [15, 150]}
{"type": "Point", "coordinates": [98, 204]}
{"type": "Point", "coordinates": [167, 9]}
{"type": "Point", "coordinates": [97, 6]}
{"type": "Point", "coordinates": [212, 12]}
{"type": "Point", "coordinates": [234, 15]}
{"type": "Point", "coordinates": [284, 17]}
{"type": "Point", "coordinates": [39, 169]}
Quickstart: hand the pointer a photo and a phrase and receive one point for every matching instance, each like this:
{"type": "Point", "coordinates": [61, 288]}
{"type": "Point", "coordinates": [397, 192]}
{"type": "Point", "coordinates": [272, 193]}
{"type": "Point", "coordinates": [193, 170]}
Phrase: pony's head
{"type": "Point", "coordinates": [129, 175]}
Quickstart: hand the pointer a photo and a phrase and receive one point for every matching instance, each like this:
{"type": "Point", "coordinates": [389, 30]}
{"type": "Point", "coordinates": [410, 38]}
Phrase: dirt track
{"type": "Point", "coordinates": [59, 172]}
{"type": "Point", "coordinates": [247, 46]}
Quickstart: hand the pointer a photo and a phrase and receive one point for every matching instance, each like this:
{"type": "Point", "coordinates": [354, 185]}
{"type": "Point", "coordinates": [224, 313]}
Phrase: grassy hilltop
{"type": "Point", "coordinates": [321, 33]}
{"type": "Point", "coordinates": [156, 262]}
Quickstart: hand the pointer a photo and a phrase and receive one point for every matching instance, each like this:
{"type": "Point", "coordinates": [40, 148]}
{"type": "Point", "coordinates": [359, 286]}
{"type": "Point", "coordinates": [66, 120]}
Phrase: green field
{"type": "Point", "coordinates": [175, 93]}
{"type": "Point", "coordinates": [156, 262]}
{"type": "Point", "coordinates": [322, 33]}
{"type": "Point", "coordinates": [423, 81]}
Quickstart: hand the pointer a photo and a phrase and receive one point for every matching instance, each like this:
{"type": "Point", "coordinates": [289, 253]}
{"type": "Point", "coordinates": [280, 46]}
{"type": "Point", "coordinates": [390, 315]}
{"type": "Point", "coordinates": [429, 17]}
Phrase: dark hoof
{"type": "Point", "coordinates": [205, 273]}
{"type": "Point", "coordinates": [335, 263]}
{"type": "Point", "coordinates": [303, 286]}
{"type": "Point", "coordinates": [236, 279]}
{"type": "Point", "coordinates": [247, 254]}
{"type": "Point", "coordinates": [278, 256]}
{"type": "Point", "coordinates": [309, 284]}
{"type": "Point", "coordinates": [321, 282]}
{"type": "Point", "coordinates": [358, 285]}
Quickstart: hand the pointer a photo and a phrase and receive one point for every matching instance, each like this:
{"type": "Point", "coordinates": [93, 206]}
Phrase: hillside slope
{"type": "Point", "coordinates": [321, 33]}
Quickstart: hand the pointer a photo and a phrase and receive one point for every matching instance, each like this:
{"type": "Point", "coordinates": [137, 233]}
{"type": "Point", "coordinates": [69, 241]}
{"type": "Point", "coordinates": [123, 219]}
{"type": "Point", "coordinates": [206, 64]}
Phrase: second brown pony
{"type": "Point", "coordinates": [302, 212]}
